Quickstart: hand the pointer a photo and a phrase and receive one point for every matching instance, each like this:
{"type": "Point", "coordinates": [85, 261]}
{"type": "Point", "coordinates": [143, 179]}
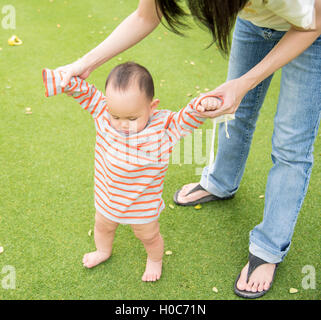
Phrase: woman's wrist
{"type": "Point", "coordinates": [247, 82]}
{"type": "Point", "coordinates": [88, 63]}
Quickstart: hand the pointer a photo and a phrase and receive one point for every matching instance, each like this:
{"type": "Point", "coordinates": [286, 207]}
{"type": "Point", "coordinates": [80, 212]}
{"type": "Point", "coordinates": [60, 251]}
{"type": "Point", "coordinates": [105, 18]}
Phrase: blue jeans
{"type": "Point", "coordinates": [295, 127]}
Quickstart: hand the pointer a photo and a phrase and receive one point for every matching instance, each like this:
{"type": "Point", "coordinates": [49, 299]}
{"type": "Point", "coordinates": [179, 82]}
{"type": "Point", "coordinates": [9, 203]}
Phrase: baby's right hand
{"type": "Point", "coordinates": [209, 104]}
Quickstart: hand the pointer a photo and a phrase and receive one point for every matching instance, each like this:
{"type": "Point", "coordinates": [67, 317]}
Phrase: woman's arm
{"type": "Point", "coordinates": [132, 30]}
{"type": "Point", "coordinates": [293, 43]}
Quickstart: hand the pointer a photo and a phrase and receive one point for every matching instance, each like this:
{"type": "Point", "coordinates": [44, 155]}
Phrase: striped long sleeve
{"type": "Point", "coordinates": [88, 96]}
{"type": "Point", "coordinates": [183, 122]}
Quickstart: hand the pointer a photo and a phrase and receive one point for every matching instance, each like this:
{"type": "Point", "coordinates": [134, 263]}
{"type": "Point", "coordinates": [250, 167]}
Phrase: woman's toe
{"type": "Point", "coordinates": [266, 285]}
{"type": "Point", "coordinates": [254, 287]}
{"type": "Point", "coordinates": [249, 286]}
{"type": "Point", "coordinates": [260, 287]}
{"type": "Point", "coordinates": [241, 284]}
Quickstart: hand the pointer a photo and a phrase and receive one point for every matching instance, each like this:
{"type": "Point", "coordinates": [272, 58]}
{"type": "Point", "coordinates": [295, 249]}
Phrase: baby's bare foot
{"type": "Point", "coordinates": [91, 259]}
{"type": "Point", "coordinates": [153, 270]}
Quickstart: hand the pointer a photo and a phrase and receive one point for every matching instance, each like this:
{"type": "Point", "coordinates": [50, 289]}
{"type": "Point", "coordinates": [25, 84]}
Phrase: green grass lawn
{"type": "Point", "coordinates": [47, 166]}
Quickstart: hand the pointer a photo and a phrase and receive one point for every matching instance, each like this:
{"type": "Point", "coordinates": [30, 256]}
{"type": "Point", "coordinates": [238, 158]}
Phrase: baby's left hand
{"type": "Point", "coordinates": [209, 104]}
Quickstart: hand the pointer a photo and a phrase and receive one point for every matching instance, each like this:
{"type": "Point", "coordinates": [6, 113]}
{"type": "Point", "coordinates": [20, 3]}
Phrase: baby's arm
{"type": "Point", "coordinates": [183, 122]}
{"type": "Point", "coordinates": [86, 95]}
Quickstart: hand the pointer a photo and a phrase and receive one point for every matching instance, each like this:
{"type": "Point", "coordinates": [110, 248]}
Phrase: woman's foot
{"type": "Point", "coordinates": [153, 270]}
{"type": "Point", "coordinates": [259, 280]}
{"type": "Point", "coordinates": [94, 258]}
{"type": "Point", "coordinates": [182, 198]}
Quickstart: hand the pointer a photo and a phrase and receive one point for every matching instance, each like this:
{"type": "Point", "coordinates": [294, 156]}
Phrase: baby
{"type": "Point", "coordinates": [134, 141]}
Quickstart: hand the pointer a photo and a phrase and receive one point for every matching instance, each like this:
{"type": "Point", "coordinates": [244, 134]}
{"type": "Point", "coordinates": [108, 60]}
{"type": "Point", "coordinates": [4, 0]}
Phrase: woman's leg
{"type": "Point", "coordinates": [153, 242]}
{"type": "Point", "coordinates": [249, 46]}
{"type": "Point", "coordinates": [295, 128]}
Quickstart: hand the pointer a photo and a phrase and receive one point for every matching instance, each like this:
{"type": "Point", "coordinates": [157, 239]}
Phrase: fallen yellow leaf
{"type": "Point", "coordinates": [168, 252]}
{"type": "Point", "coordinates": [198, 206]}
{"type": "Point", "coordinates": [293, 290]}
{"type": "Point", "coordinates": [171, 206]}
{"type": "Point", "coordinates": [14, 41]}
{"type": "Point", "coordinates": [89, 233]}
{"type": "Point", "coordinates": [261, 196]}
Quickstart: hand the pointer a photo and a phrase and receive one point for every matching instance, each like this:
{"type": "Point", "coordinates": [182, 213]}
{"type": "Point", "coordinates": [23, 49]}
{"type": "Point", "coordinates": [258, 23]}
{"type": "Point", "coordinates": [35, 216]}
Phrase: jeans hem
{"type": "Point", "coordinates": [265, 254]}
{"type": "Point", "coordinates": [211, 188]}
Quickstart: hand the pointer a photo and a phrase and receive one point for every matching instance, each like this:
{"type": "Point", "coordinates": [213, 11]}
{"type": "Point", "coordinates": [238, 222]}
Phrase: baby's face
{"type": "Point", "coordinates": [130, 109]}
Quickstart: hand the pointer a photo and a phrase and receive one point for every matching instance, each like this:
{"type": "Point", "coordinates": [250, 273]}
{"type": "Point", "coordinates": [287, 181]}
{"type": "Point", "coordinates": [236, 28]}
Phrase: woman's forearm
{"type": "Point", "coordinates": [292, 44]}
{"type": "Point", "coordinates": [132, 30]}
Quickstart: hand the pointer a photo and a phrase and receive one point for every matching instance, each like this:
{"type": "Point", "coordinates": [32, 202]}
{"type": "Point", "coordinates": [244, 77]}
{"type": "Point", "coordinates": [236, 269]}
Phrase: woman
{"type": "Point", "coordinates": [268, 35]}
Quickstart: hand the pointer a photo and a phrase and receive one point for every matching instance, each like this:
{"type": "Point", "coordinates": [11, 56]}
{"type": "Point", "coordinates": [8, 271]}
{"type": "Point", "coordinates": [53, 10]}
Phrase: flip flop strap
{"type": "Point", "coordinates": [254, 262]}
{"type": "Point", "coordinates": [196, 188]}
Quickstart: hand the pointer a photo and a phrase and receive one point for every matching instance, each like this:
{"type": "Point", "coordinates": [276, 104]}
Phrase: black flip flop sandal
{"type": "Point", "coordinates": [254, 262]}
{"type": "Point", "coordinates": [208, 198]}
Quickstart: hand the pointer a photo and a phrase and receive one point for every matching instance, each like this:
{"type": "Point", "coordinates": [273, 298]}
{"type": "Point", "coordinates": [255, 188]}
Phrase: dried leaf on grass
{"type": "Point", "coordinates": [14, 41]}
{"type": "Point", "coordinates": [293, 290]}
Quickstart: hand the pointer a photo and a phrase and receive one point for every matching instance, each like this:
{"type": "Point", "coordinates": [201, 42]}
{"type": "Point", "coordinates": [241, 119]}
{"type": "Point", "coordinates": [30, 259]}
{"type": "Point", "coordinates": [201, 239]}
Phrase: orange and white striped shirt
{"type": "Point", "coordinates": [129, 170]}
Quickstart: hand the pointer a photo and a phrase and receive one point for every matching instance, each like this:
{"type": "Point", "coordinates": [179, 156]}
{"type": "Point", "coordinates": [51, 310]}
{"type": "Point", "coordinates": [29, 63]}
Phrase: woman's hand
{"type": "Point", "coordinates": [232, 93]}
{"type": "Point", "coordinates": [209, 104]}
{"type": "Point", "coordinates": [76, 68]}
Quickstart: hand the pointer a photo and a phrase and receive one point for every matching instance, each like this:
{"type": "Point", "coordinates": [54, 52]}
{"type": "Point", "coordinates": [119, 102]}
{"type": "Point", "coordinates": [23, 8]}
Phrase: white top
{"type": "Point", "coordinates": [280, 14]}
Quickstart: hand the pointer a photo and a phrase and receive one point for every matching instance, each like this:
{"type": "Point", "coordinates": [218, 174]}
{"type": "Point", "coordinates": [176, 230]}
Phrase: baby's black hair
{"type": "Point", "coordinates": [123, 75]}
